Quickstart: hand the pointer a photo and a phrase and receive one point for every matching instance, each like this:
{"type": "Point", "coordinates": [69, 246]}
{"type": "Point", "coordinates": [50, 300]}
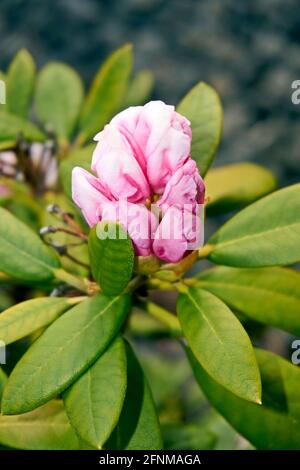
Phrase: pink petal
{"type": "Point", "coordinates": [87, 194]}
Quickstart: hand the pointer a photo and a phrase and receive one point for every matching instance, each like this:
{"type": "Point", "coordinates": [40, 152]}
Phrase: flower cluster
{"type": "Point", "coordinates": [145, 179]}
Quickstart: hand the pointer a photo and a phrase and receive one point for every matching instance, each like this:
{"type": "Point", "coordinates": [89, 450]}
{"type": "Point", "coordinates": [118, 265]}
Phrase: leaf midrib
{"type": "Point", "coordinates": [4, 317]}
{"type": "Point", "coordinates": [221, 245]}
{"type": "Point", "coordinates": [24, 385]}
{"type": "Point", "coordinates": [28, 254]}
{"type": "Point", "coordinates": [251, 287]}
{"type": "Point", "coordinates": [205, 317]}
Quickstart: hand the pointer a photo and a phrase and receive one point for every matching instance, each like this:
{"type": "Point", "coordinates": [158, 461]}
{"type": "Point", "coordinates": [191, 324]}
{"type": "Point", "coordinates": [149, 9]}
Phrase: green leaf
{"type": "Point", "coordinates": [267, 426]}
{"type": "Point", "coordinates": [64, 351]}
{"type": "Point", "coordinates": [94, 402]}
{"type": "Point", "coordinates": [219, 343]}
{"type": "Point", "coordinates": [107, 92]}
{"type": "Point", "coordinates": [58, 98]}
{"type": "Point", "coordinates": [46, 428]}
{"type": "Point", "coordinates": [26, 317]}
{"type": "Point", "coordinates": [111, 259]}
{"type": "Point", "coordinates": [234, 186]}
{"type": "Point", "coordinates": [203, 108]}
{"type": "Point", "coordinates": [138, 427]}
{"type": "Point", "coordinates": [22, 253]}
{"type": "Point", "coordinates": [80, 157]}
{"type": "Point", "coordinates": [20, 83]}
{"type": "Point", "coordinates": [11, 127]}
{"type": "Point", "coordinates": [139, 89]}
{"type": "Point", "coordinates": [267, 295]}
{"type": "Point", "coordinates": [264, 234]}
{"type": "Point", "coordinates": [187, 437]}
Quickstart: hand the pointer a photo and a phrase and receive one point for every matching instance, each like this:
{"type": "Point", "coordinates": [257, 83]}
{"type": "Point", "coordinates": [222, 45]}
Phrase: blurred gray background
{"type": "Point", "coordinates": [249, 50]}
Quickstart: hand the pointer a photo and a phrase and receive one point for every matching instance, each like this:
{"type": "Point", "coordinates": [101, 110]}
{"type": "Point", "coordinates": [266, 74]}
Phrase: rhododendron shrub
{"type": "Point", "coordinates": [112, 279]}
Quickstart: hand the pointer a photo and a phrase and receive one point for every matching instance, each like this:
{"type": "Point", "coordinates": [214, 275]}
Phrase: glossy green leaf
{"type": "Point", "coordinates": [203, 108]}
{"type": "Point", "coordinates": [20, 83]}
{"type": "Point", "coordinates": [107, 92]}
{"type": "Point", "coordinates": [94, 402]}
{"type": "Point", "coordinates": [139, 89]}
{"type": "Point", "coordinates": [112, 258]}
{"type": "Point", "coordinates": [64, 351]}
{"type": "Point", "coordinates": [234, 186]}
{"type": "Point", "coordinates": [22, 254]}
{"type": "Point", "coordinates": [58, 98]}
{"type": "Point", "coordinates": [267, 233]}
{"type": "Point", "coordinates": [80, 157]}
{"type": "Point", "coordinates": [273, 425]}
{"type": "Point", "coordinates": [26, 317]}
{"type": "Point", "coordinates": [187, 437]}
{"type": "Point", "coordinates": [219, 342]}
{"type": "Point", "coordinates": [11, 127]}
{"type": "Point", "coordinates": [267, 295]}
{"type": "Point", "coordinates": [138, 426]}
{"type": "Point", "coordinates": [46, 428]}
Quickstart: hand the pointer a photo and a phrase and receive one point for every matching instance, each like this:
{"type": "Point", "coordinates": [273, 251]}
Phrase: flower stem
{"type": "Point", "coordinates": [154, 283]}
{"type": "Point", "coordinates": [78, 282]}
{"type": "Point", "coordinates": [163, 315]}
{"type": "Point", "coordinates": [205, 251]}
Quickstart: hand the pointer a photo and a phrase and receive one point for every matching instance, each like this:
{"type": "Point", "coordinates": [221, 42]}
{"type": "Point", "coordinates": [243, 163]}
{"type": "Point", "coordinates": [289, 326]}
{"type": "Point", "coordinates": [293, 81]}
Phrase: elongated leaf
{"type": "Point", "coordinates": [111, 259]}
{"type": "Point", "coordinates": [46, 428]}
{"type": "Point", "coordinates": [22, 253]}
{"type": "Point", "coordinates": [234, 186]}
{"type": "Point", "coordinates": [267, 233]}
{"type": "Point", "coordinates": [266, 295]}
{"type": "Point", "coordinates": [94, 402]}
{"type": "Point", "coordinates": [219, 343]}
{"type": "Point", "coordinates": [270, 426]}
{"type": "Point", "coordinates": [11, 127]}
{"type": "Point", "coordinates": [203, 108]}
{"type": "Point", "coordinates": [26, 317]}
{"type": "Point", "coordinates": [63, 352]}
{"type": "Point", "coordinates": [58, 98]}
{"type": "Point", "coordinates": [138, 426]}
{"type": "Point", "coordinates": [80, 157]}
{"type": "Point", "coordinates": [20, 83]}
{"type": "Point", "coordinates": [106, 93]}
{"type": "Point", "coordinates": [139, 89]}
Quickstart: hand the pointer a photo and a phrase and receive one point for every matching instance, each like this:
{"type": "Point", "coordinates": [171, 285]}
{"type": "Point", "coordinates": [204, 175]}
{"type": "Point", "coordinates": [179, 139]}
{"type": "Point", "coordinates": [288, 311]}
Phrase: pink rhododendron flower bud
{"type": "Point", "coordinates": [180, 230]}
{"type": "Point", "coordinates": [142, 159]}
{"type": "Point", "coordinates": [161, 138]}
{"type": "Point", "coordinates": [116, 167]}
{"type": "Point", "coordinates": [137, 220]}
